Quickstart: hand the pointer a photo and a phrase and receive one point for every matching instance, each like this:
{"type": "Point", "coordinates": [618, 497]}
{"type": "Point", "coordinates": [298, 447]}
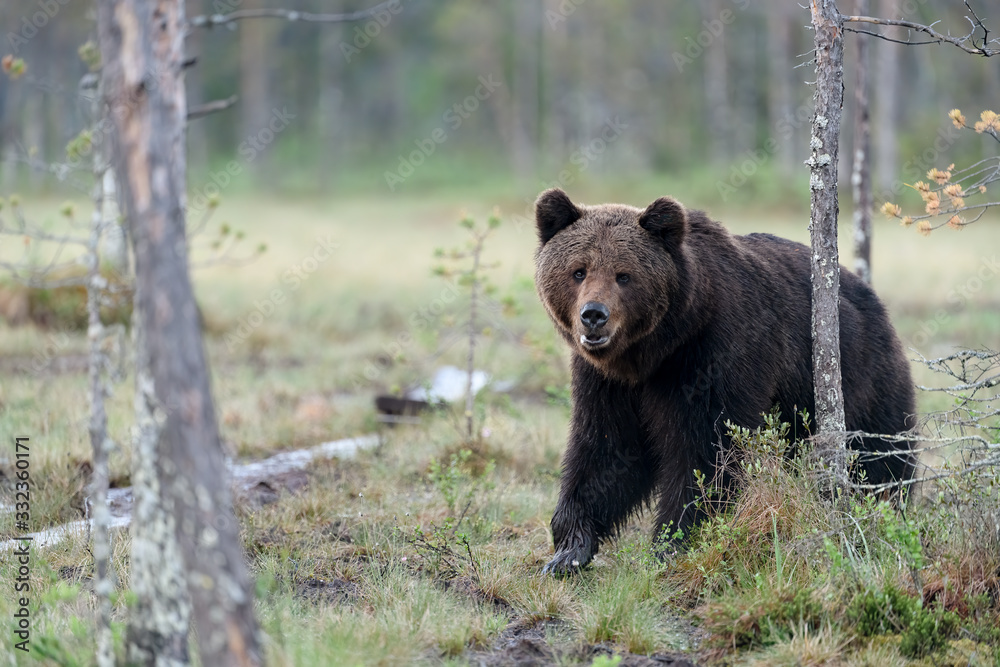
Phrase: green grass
{"type": "Point", "coordinates": [368, 564]}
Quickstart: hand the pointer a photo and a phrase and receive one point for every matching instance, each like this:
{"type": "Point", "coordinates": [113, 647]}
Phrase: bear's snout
{"type": "Point", "coordinates": [594, 315]}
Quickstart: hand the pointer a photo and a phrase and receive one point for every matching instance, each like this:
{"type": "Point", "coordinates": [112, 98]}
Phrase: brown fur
{"type": "Point", "coordinates": [708, 328]}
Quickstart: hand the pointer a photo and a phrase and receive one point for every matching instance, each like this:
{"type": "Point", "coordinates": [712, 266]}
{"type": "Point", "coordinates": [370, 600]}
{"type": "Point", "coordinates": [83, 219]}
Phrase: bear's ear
{"type": "Point", "coordinates": [665, 219]}
{"type": "Point", "coordinates": [554, 212]}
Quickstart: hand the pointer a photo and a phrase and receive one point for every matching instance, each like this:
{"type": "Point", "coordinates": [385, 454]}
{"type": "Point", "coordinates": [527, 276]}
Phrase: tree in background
{"type": "Point", "coordinates": [861, 174]}
{"type": "Point", "coordinates": [829, 25]}
{"type": "Point", "coordinates": [364, 92]}
{"type": "Point", "coordinates": [142, 50]}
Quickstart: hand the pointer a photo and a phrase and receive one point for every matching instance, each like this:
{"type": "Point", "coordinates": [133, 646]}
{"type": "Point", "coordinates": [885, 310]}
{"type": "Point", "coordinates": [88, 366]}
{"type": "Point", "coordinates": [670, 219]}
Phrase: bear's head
{"type": "Point", "coordinates": [607, 274]}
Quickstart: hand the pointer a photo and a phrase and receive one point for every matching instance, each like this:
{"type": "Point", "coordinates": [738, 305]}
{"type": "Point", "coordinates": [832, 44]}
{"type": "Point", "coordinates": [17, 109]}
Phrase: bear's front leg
{"type": "Point", "coordinates": [678, 507]}
{"type": "Point", "coordinates": [574, 537]}
{"type": "Point", "coordinates": [607, 470]}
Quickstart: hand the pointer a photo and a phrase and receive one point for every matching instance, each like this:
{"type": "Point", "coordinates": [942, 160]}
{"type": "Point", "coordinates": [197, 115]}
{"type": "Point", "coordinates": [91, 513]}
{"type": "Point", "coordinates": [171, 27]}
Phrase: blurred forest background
{"type": "Point", "coordinates": [700, 87]}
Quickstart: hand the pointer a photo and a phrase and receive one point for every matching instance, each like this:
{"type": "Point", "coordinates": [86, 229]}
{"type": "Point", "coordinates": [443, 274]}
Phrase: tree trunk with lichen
{"type": "Point", "coordinates": [825, 262]}
{"type": "Point", "coordinates": [158, 624]}
{"type": "Point", "coordinates": [142, 54]}
{"type": "Point", "coordinates": [861, 176]}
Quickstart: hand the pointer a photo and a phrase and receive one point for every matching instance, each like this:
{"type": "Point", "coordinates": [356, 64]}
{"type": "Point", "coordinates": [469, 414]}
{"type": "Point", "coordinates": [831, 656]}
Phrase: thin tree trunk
{"type": "Point", "coordinates": [556, 125]}
{"type": "Point", "coordinates": [829, 100]}
{"type": "Point", "coordinates": [780, 74]}
{"type": "Point", "coordinates": [717, 89]}
{"type": "Point", "coordinates": [332, 120]}
{"type": "Point", "coordinates": [861, 178]}
{"type": "Point", "coordinates": [524, 83]}
{"type": "Point", "coordinates": [104, 579]}
{"type": "Point", "coordinates": [158, 624]}
{"type": "Point", "coordinates": [739, 48]}
{"type": "Point", "coordinates": [470, 364]}
{"type": "Point", "coordinates": [888, 91]}
{"type": "Point", "coordinates": [142, 51]}
{"type": "Point", "coordinates": [255, 65]}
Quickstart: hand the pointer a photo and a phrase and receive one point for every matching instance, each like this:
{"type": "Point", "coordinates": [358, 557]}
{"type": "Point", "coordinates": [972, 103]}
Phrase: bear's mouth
{"type": "Point", "coordinates": [593, 341]}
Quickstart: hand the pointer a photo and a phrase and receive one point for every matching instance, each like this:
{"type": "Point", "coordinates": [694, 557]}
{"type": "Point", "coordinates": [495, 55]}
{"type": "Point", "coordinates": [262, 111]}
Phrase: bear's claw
{"type": "Point", "coordinates": [565, 562]}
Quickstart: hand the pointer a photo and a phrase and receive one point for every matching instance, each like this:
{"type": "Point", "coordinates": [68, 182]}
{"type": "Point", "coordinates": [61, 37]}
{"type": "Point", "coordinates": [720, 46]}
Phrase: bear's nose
{"type": "Point", "coordinates": [594, 314]}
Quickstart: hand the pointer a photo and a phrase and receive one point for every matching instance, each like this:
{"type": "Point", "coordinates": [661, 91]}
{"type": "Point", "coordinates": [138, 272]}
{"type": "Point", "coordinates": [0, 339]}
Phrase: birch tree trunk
{"type": "Point", "coordinates": [142, 50]}
{"type": "Point", "coordinates": [829, 101]}
{"type": "Point", "coordinates": [104, 579]}
{"type": "Point", "coordinates": [861, 176]}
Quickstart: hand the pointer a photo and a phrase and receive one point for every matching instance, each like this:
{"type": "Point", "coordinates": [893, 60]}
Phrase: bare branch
{"type": "Point", "coordinates": [212, 20]}
{"type": "Point", "coordinates": [966, 43]}
{"type": "Point", "coordinates": [211, 107]}
{"type": "Point", "coordinates": [875, 488]}
{"type": "Point", "coordinates": [37, 234]}
{"type": "Point", "coordinates": [37, 278]}
{"type": "Point", "coordinates": [907, 41]}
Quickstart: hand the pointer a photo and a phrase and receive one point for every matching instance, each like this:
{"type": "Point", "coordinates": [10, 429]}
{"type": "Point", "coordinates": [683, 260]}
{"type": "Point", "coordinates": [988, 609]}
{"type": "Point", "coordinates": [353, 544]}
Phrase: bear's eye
{"type": "Point", "coordinates": [623, 278]}
{"type": "Point", "coordinates": [579, 274]}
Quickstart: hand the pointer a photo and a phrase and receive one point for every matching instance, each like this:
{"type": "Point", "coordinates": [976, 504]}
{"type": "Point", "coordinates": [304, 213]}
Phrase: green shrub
{"type": "Point", "coordinates": [923, 630]}
{"type": "Point", "coordinates": [755, 622]}
{"type": "Point", "coordinates": [880, 612]}
{"type": "Point", "coordinates": [928, 631]}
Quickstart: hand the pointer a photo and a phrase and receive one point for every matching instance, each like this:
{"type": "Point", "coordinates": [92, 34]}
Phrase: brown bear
{"type": "Point", "coordinates": [676, 327]}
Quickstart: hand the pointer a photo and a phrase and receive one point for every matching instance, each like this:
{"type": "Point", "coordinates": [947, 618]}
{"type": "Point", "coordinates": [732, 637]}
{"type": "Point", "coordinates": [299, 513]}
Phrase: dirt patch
{"type": "Point", "coordinates": [525, 651]}
{"type": "Point", "coordinates": [466, 586]}
{"type": "Point", "coordinates": [338, 531]}
{"type": "Point", "coordinates": [519, 644]}
{"type": "Point", "coordinates": [527, 644]}
{"type": "Point", "coordinates": [267, 491]}
{"type": "Point", "coordinates": [321, 591]}
{"type": "Point", "coordinates": [633, 660]}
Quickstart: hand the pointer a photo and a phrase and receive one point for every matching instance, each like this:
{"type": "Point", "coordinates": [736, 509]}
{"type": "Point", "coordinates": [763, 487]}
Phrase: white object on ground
{"type": "Point", "coordinates": [449, 385]}
{"type": "Point", "coordinates": [243, 476]}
